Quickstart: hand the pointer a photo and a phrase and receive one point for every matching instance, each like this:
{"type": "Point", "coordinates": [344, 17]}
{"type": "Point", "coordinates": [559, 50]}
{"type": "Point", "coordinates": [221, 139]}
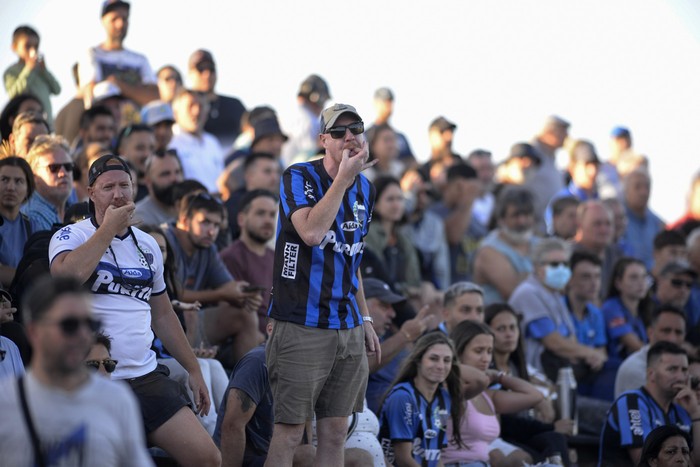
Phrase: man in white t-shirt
{"type": "Point", "coordinates": [110, 61]}
{"type": "Point", "coordinates": [78, 418]}
{"type": "Point", "coordinates": [123, 268]}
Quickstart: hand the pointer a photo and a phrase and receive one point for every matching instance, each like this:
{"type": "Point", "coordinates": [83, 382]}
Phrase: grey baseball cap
{"type": "Point", "coordinates": [330, 115]}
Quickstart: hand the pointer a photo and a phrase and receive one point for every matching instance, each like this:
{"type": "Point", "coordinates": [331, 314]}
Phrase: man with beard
{"type": "Point", "coordinates": [502, 260]}
{"type": "Point", "coordinates": [69, 411]}
{"type": "Point", "coordinates": [123, 268]}
{"type": "Point", "coordinates": [53, 176]}
{"type": "Point", "coordinates": [249, 258]}
{"type": "Point", "coordinates": [163, 172]}
{"type": "Point", "coordinates": [16, 187]}
{"type": "Point", "coordinates": [229, 315]}
{"type": "Point", "coordinates": [665, 399]}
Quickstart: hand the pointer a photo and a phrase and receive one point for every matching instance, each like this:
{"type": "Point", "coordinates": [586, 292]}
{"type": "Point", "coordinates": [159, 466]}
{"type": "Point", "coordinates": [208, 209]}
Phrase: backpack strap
{"type": "Point", "coordinates": [38, 455]}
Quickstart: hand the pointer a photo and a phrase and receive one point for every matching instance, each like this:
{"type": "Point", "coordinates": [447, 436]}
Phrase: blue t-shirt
{"type": "Point", "coordinates": [407, 416]}
{"type": "Point", "coordinates": [618, 322]}
{"type": "Point", "coordinates": [630, 419]}
{"type": "Point", "coordinates": [13, 236]}
{"type": "Point", "coordinates": [590, 330]}
{"type": "Point", "coordinates": [250, 376]}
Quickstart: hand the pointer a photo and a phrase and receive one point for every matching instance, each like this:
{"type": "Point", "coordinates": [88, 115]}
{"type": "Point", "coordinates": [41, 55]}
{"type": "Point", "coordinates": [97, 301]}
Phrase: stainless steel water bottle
{"type": "Point", "coordinates": [566, 396]}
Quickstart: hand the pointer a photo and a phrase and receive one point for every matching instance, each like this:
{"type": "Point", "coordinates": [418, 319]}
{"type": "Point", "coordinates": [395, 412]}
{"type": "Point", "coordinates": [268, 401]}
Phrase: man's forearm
{"type": "Point", "coordinates": [232, 447]}
{"type": "Point", "coordinates": [168, 328]}
{"type": "Point", "coordinates": [390, 348]}
{"type": "Point", "coordinates": [81, 262]}
{"type": "Point", "coordinates": [313, 224]}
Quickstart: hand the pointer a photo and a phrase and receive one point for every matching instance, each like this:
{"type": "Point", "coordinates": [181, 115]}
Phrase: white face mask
{"type": "Point", "coordinates": [517, 237]}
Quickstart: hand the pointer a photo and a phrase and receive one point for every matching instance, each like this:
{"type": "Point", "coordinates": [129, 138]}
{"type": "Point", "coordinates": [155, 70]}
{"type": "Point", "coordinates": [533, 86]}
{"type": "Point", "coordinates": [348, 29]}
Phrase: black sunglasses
{"type": "Point", "coordinates": [556, 264]}
{"type": "Point", "coordinates": [70, 326]}
{"type": "Point", "coordinates": [202, 67]}
{"type": "Point", "coordinates": [55, 168]}
{"type": "Point", "coordinates": [338, 132]}
{"type": "Point", "coordinates": [678, 283]}
{"type": "Point", "coordinates": [109, 364]}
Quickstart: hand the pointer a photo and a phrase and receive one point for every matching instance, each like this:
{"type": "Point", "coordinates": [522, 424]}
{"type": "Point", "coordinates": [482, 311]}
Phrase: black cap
{"type": "Point", "coordinates": [678, 267]}
{"type": "Point", "coordinates": [315, 89]}
{"type": "Point", "coordinates": [374, 288]}
{"type": "Point", "coordinates": [105, 164]}
{"type": "Point", "coordinates": [523, 150]}
{"type": "Point", "coordinates": [111, 5]}
{"type": "Point", "coordinates": [442, 124]}
{"type": "Point", "coordinates": [267, 127]}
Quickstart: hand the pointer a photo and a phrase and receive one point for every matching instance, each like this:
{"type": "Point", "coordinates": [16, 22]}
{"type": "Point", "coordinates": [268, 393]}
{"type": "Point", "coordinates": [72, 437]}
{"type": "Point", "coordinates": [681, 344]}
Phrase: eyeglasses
{"type": "Point", "coordinates": [70, 326]}
{"type": "Point", "coordinates": [109, 364]}
{"type": "Point", "coordinates": [678, 283]}
{"type": "Point", "coordinates": [204, 66]}
{"type": "Point", "coordinates": [55, 168]}
{"type": "Point", "coordinates": [556, 264]}
{"type": "Point", "coordinates": [338, 132]}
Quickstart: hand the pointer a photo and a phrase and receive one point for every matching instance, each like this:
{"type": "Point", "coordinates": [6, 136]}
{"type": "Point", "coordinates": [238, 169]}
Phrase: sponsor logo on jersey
{"type": "Point", "coordinates": [350, 226]}
{"type": "Point", "coordinates": [309, 191]}
{"type": "Point", "coordinates": [290, 255]}
{"type": "Point", "coordinates": [359, 212]}
{"type": "Point", "coordinates": [340, 247]}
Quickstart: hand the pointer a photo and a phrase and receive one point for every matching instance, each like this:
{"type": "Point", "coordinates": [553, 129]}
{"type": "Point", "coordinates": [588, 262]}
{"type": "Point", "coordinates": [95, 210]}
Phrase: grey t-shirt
{"type": "Point", "coordinates": [151, 214]}
{"type": "Point", "coordinates": [97, 424]}
{"type": "Point", "coordinates": [632, 374]}
{"type": "Point", "coordinates": [203, 270]}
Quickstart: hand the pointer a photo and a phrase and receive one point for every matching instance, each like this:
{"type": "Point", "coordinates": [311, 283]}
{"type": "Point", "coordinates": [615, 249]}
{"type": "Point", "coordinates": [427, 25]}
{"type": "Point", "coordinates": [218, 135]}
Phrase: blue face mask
{"type": "Point", "coordinates": [556, 277]}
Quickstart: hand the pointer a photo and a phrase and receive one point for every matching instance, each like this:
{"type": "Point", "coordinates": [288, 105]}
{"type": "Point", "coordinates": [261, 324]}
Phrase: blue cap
{"type": "Point", "coordinates": [156, 112]}
{"type": "Point", "coordinates": [620, 132]}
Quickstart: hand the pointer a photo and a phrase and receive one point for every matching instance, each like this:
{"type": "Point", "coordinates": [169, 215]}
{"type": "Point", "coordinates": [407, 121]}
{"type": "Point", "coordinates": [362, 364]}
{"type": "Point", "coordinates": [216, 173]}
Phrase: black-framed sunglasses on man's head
{"type": "Point", "coordinates": [338, 132]}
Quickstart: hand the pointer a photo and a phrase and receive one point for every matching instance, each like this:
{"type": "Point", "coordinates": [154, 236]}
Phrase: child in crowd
{"type": "Point", "coordinates": [29, 74]}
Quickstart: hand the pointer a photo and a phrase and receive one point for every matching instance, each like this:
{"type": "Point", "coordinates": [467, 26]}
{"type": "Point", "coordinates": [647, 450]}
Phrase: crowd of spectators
{"type": "Point", "coordinates": [483, 280]}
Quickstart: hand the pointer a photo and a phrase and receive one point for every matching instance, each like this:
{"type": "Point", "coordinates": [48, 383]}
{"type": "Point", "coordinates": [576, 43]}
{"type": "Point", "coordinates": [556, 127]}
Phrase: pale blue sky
{"type": "Point", "coordinates": [496, 68]}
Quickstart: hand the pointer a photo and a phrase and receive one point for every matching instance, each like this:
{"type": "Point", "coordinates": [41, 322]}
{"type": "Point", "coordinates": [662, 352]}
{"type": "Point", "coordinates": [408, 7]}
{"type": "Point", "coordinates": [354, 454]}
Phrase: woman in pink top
{"type": "Point", "coordinates": [480, 425]}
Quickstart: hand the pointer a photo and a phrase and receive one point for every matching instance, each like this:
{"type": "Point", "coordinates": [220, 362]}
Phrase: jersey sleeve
{"type": "Point", "coordinates": [541, 328]}
{"type": "Point", "coordinates": [400, 414]}
{"type": "Point", "coordinates": [297, 191]}
{"type": "Point", "coordinates": [615, 322]}
{"type": "Point", "coordinates": [633, 420]}
{"type": "Point", "coordinates": [598, 324]}
{"type": "Point", "coordinates": [65, 240]}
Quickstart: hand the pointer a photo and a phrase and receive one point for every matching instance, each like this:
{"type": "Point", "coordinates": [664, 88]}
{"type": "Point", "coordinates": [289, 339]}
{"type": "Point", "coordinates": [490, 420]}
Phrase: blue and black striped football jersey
{"type": "Point", "coordinates": [316, 285]}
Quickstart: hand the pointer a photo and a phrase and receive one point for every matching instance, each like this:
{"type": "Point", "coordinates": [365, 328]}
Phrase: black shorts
{"type": "Point", "coordinates": [159, 397]}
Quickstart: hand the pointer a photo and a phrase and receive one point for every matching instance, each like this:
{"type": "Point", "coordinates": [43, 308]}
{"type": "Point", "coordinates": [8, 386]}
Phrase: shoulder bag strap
{"type": "Point", "coordinates": [38, 455]}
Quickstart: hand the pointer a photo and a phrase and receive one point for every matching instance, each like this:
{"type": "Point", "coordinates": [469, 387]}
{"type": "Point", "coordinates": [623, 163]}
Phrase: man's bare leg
{"type": "Point", "coordinates": [331, 433]}
{"type": "Point", "coordinates": [285, 439]}
{"type": "Point", "coordinates": [186, 440]}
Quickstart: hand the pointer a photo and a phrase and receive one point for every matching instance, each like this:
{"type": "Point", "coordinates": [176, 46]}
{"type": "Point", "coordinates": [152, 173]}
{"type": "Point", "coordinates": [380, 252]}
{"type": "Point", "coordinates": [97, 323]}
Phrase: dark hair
{"type": "Point", "coordinates": [10, 111]}
{"type": "Point", "coordinates": [663, 347]}
{"type": "Point", "coordinates": [618, 272]}
{"type": "Point", "coordinates": [74, 73]}
{"type": "Point", "coordinates": [200, 201]}
{"type": "Point", "coordinates": [129, 130]}
{"type": "Point", "coordinates": [252, 195]}
{"type": "Point", "coordinates": [654, 440]}
{"type": "Point", "coordinates": [89, 115]}
{"type": "Point", "coordinates": [173, 285]}
{"type": "Point", "coordinates": [256, 156]}
{"type": "Point", "coordinates": [517, 357]}
{"type": "Point", "coordinates": [24, 30]}
{"type": "Point", "coordinates": [103, 339]}
{"type": "Point", "coordinates": [373, 135]}
{"type": "Point", "coordinates": [460, 170]}
{"type": "Point", "coordinates": [560, 204]}
{"type": "Point", "coordinates": [14, 161]}
{"type": "Point", "coordinates": [519, 197]}
{"type": "Point", "coordinates": [174, 70]}
{"type": "Point", "coordinates": [45, 291]}
{"type": "Point", "coordinates": [666, 308]}
{"type": "Point", "coordinates": [581, 256]}
{"type": "Point", "coordinates": [160, 154]}
{"type": "Point", "coordinates": [465, 331]}
{"type": "Point", "coordinates": [409, 370]}
{"type": "Point", "coordinates": [185, 187]}
{"type": "Point", "coordinates": [668, 238]}
{"type": "Point", "coordinates": [381, 183]}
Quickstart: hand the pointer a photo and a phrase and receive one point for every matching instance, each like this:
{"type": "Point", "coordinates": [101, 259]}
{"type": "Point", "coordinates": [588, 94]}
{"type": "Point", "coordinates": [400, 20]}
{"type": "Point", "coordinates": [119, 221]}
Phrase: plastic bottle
{"type": "Point", "coordinates": [566, 396]}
